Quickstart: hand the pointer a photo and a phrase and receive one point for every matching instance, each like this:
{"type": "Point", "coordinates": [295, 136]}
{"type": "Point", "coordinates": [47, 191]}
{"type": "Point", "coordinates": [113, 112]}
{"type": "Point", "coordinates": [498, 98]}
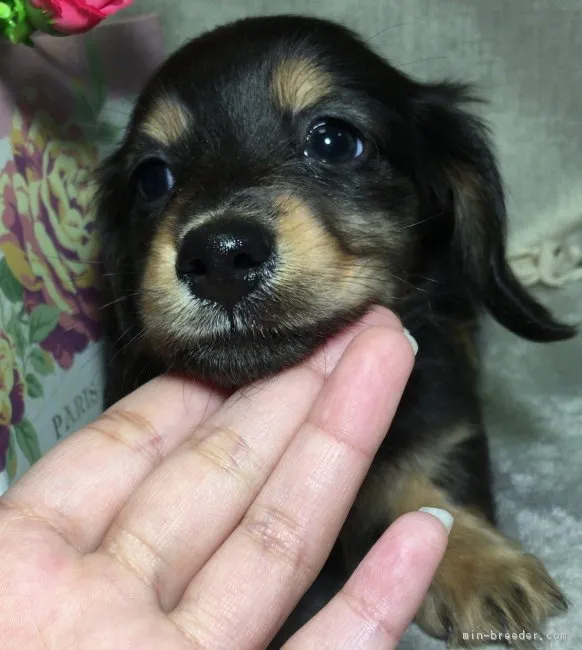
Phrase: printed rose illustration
{"type": "Point", "coordinates": [49, 291]}
{"type": "Point", "coordinates": [11, 392]}
{"type": "Point", "coordinates": [47, 231]}
{"type": "Point", "coordinates": [12, 395]}
{"type": "Point", "coordinates": [54, 119]}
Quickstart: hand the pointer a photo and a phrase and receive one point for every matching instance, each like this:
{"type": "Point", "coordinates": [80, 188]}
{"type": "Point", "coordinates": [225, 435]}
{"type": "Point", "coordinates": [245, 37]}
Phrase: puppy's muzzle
{"type": "Point", "coordinates": [225, 260]}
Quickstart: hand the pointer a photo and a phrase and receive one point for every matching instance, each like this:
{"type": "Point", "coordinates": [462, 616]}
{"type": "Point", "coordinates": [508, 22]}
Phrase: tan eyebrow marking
{"type": "Point", "coordinates": [166, 121]}
{"type": "Point", "coordinates": [299, 83]}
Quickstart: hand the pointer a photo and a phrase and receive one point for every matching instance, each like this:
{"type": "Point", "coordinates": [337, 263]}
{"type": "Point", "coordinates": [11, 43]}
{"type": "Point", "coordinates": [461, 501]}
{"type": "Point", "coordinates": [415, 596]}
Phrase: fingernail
{"type": "Point", "coordinates": [445, 517]}
{"type": "Point", "coordinates": [411, 340]}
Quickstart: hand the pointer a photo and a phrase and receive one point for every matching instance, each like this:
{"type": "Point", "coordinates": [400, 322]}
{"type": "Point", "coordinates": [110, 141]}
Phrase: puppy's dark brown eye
{"type": "Point", "coordinates": [333, 141]}
{"type": "Point", "coordinates": [153, 179]}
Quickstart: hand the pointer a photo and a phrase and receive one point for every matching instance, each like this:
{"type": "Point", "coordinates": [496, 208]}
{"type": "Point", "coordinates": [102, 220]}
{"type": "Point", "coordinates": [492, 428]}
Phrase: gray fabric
{"type": "Point", "coordinates": [524, 54]}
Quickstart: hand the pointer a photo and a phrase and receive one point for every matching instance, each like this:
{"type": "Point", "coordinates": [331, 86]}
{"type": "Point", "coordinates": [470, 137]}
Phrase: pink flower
{"type": "Point", "coordinates": [76, 16]}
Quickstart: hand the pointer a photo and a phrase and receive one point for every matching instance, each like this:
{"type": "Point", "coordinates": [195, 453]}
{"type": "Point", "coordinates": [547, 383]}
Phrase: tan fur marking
{"type": "Point", "coordinates": [466, 340]}
{"type": "Point", "coordinates": [303, 242]}
{"type": "Point", "coordinates": [485, 580]}
{"type": "Point", "coordinates": [162, 298]}
{"type": "Point", "coordinates": [481, 566]}
{"type": "Point", "coordinates": [468, 188]}
{"type": "Point", "coordinates": [312, 264]}
{"type": "Point", "coordinates": [160, 274]}
{"type": "Point", "coordinates": [471, 214]}
{"type": "Point", "coordinates": [167, 121]}
{"type": "Point", "coordinates": [298, 84]}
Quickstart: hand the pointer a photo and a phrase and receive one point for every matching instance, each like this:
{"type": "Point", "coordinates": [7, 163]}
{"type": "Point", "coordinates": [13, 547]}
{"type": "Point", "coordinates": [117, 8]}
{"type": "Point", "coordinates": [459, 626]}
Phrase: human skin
{"type": "Point", "coordinates": [186, 518]}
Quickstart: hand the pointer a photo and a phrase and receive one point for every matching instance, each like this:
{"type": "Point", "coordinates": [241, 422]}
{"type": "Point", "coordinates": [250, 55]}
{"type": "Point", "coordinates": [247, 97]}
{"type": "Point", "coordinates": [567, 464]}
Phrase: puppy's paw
{"type": "Point", "coordinates": [485, 586]}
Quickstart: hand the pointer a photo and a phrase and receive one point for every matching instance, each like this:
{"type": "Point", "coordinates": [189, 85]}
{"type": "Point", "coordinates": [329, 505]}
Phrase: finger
{"type": "Point", "coordinates": [382, 597]}
{"type": "Point", "coordinates": [253, 581]}
{"type": "Point", "coordinates": [184, 511]}
{"type": "Point", "coordinates": [79, 486]}
{"type": "Point", "coordinates": [326, 358]}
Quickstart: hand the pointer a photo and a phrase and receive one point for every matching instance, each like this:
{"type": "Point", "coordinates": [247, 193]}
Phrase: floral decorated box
{"type": "Point", "coordinates": [61, 105]}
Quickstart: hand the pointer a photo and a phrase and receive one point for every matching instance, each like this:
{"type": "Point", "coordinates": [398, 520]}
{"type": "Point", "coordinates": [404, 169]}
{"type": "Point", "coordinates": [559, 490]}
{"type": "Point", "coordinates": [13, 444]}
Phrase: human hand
{"type": "Point", "coordinates": [187, 519]}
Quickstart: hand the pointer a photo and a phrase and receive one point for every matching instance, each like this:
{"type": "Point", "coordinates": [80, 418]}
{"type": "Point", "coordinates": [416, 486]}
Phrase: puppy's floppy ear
{"type": "Point", "coordinates": [464, 184]}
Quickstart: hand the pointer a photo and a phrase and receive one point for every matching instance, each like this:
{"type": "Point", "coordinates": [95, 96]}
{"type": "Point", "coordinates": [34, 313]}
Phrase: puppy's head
{"type": "Point", "coordinates": [278, 178]}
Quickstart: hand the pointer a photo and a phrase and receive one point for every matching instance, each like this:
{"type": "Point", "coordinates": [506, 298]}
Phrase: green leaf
{"type": "Point", "coordinates": [42, 361]}
{"type": "Point", "coordinates": [11, 457]}
{"type": "Point", "coordinates": [33, 386]}
{"type": "Point", "coordinates": [9, 285]}
{"type": "Point", "coordinates": [16, 332]}
{"type": "Point", "coordinates": [19, 338]}
{"type": "Point", "coordinates": [27, 440]}
{"type": "Point", "coordinates": [43, 321]}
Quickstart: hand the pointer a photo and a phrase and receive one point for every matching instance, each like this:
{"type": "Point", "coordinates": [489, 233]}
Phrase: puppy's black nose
{"type": "Point", "coordinates": [225, 260]}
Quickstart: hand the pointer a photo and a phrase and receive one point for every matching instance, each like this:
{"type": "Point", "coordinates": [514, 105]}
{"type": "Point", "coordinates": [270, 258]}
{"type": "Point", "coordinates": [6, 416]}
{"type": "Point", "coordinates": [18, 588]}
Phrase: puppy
{"type": "Point", "coordinates": [276, 180]}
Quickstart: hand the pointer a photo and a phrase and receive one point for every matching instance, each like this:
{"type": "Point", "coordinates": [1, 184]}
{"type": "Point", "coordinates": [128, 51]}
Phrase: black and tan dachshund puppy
{"type": "Point", "coordinates": [276, 180]}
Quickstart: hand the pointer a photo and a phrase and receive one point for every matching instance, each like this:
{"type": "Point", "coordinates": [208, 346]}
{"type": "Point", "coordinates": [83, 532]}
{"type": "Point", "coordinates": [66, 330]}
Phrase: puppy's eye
{"type": "Point", "coordinates": [333, 141]}
{"type": "Point", "coordinates": [153, 180]}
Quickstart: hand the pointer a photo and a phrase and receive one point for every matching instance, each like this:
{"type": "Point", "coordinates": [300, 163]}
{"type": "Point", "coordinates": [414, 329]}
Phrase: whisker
{"type": "Point", "coordinates": [424, 60]}
{"type": "Point", "coordinates": [421, 221]}
{"type": "Point", "coordinates": [118, 300]}
{"type": "Point", "coordinates": [385, 30]}
{"type": "Point", "coordinates": [134, 339]}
